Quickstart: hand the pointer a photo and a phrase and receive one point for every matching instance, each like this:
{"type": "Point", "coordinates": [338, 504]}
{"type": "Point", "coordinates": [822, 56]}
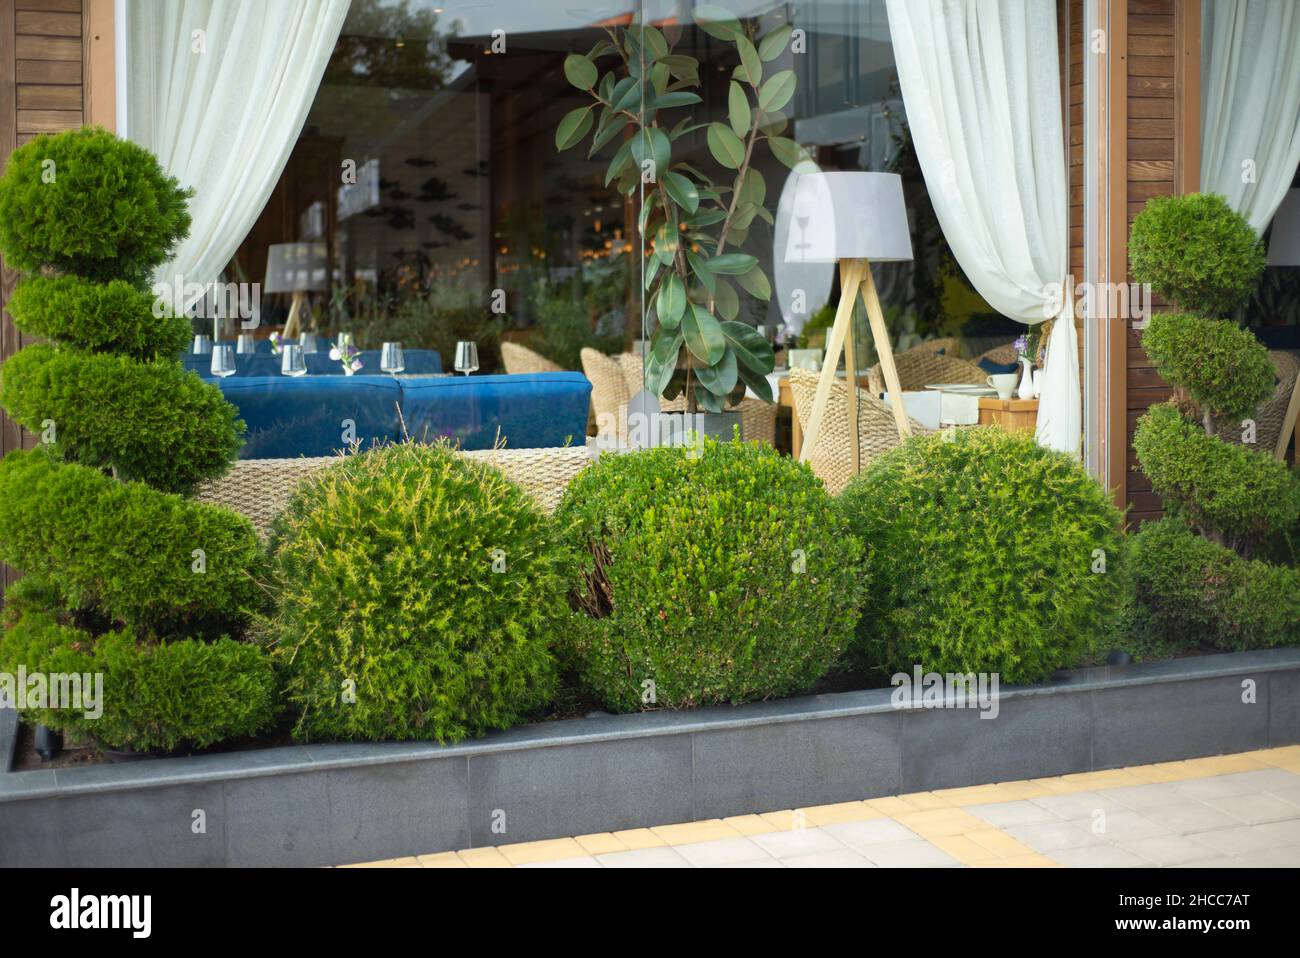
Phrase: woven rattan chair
{"type": "Point", "coordinates": [1004, 354]}
{"type": "Point", "coordinates": [260, 488]}
{"type": "Point", "coordinates": [950, 346]}
{"type": "Point", "coordinates": [609, 392]}
{"type": "Point", "coordinates": [916, 370]}
{"type": "Point", "coordinates": [521, 359]}
{"type": "Point", "coordinates": [757, 418]}
{"type": "Point", "coordinates": [832, 458]}
{"type": "Point", "coordinates": [1270, 414]}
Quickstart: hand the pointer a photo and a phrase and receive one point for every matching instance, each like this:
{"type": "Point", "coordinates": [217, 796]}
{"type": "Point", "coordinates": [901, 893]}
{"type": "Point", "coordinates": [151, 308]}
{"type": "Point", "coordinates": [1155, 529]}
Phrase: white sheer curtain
{"type": "Point", "coordinates": [1250, 103]}
{"type": "Point", "coordinates": [981, 84]}
{"type": "Point", "coordinates": [219, 91]}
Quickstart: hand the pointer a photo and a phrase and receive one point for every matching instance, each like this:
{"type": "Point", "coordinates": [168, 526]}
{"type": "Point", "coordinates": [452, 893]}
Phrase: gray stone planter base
{"type": "Point", "coordinates": [334, 804]}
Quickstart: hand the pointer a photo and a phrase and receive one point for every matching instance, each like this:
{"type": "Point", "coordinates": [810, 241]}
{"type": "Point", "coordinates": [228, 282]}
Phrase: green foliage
{"type": "Point", "coordinates": [438, 319]}
{"type": "Point", "coordinates": [384, 569]}
{"type": "Point", "coordinates": [154, 422]}
{"type": "Point", "coordinates": [697, 346]}
{"type": "Point", "coordinates": [1201, 595]}
{"type": "Point", "coordinates": [981, 550]}
{"type": "Point", "coordinates": [113, 317]}
{"type": "Point", "coordinates": [1222, 366]}
{"type": "Point", "coordinates": [126, 549]}
{"type": "Point", "coordinates": [1198, 252]}
{"type": "Point", "coordinates": [1217, 486]}
{"type": "Point", "coordinates": [722, 574]}
{"type": "Point", "coordinates": [88, 203]}
{"type": "Point", "coordinates": [154, 696]}
{"type": "Point", "coordinates": [563, 330]}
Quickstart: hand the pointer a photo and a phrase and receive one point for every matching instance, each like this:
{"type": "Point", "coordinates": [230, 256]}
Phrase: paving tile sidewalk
{"type": "Point", "coordinates": [1229, 811]}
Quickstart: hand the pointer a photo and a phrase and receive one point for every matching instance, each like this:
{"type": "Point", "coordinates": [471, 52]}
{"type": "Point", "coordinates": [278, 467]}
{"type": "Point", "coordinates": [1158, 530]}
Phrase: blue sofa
{"type": "Point", "coordinates": [288, 417]}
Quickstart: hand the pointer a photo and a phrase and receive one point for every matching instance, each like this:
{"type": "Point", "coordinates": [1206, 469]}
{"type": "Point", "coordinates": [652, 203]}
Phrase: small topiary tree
{"type": "Point", "coordinates": [717, 574]}
{"type": "Point", "coordinates": [419, 594]}
{"type": "Point", "coordinates": [1199, 253]}
{"type": "Point", "coordinates": [126, 577]}
{"type": "Point", "coordinates": [985, 553]}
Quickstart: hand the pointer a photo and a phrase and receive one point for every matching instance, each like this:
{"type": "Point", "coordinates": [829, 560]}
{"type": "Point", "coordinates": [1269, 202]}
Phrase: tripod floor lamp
{"type": "Point", "coordinates": [853, 219]}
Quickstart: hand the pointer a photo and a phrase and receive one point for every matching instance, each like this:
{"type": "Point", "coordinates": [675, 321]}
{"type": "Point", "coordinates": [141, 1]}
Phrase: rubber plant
{"type": "Point", "coordinates": [692, 227]}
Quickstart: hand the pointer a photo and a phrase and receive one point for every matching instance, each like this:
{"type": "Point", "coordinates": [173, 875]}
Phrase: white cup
{"type": "Point", "coordinates": [1004, 383]}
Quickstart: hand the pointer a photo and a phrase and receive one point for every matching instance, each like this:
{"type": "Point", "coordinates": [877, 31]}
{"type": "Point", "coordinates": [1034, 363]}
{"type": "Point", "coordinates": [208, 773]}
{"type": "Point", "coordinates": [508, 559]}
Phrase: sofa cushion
{"type": "Point", "coordinates": [529, 411]}
{"type": "Point", "coordinates": [288, 417]}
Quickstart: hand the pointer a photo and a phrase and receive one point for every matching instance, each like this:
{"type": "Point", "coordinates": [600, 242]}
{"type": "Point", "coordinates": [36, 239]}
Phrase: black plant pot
{"type": "Point", "coordinates": [49, 743]}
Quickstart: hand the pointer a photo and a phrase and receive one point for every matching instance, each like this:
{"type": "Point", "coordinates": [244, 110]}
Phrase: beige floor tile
{"type": "Point", "coordinates": [644, 858]}
{"type": "Point", "coordinates": [842, 812]}
{"type": "Point", "coordinates": [1020, 861]}
{"type": "Point", "coordinates": [581, 861]}
{"type": "Point", "coordinates": [441, 860]}
{"type": "Point", "coordinates": [999, 843]}
{"type": "Point", "coordinates": [600, 843]}
{"type": "Point", "coordinates": [892, 806]}
{"type": "Point", "coordinates": [526, 853]}
{"type": "Point", "coordinates": [926, 800]}
{"type": "Point", "coordinates": [638, 838]}
{"type": "Point", "coordinates": [407, 862]}
{"type": "Point", "coordinates": [1026, 789]}
{"type": "Point", "coordinates": [784, 821]}
{"type": "Point", "coordinates": [963, 849]}
{"type": "Point", "coordinates": [979, 795]}
{"type": "Point", "coordinates": [943, 821]}
{"type": "Point", "coordinates": [751, 824]}
{"type": "Point", "coordinates": [1002, 814]}
{"type": "Point", "coordinates": [705, 831]}
{"type": "Point", "coordinates": [726, 851]}
{"type": "Point", "coordinates": [1107, 778]}
{"type": "Point", "coordinates": [1058, 786]}
{"type": "Point", "coordinates": [1224, 764]}
{"type": "Point", "coordinates": [1287, 754]}
{"type": "Point", "coordinates": [484, 858]}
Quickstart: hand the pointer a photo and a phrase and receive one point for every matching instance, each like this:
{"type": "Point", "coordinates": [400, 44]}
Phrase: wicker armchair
{"type": "Point", "coordinates": [916, 370]}
{"type": "Point", "coordinates": [259, 489]}
{"type": "Point", "coordinates": [609, 392]}
{"type": "Point", "coordinates": [521, 359]}
{"type": "Point", "coordinates": [949, 345]}
{"type": "Point", "coordinates": [1004, 354]}
{"type": "Point", "coordinates": [832, 458]}
{"type": "Point", "coordinates": [757, 418]}
{"type": "Point", "coordinates": [1272, 411]}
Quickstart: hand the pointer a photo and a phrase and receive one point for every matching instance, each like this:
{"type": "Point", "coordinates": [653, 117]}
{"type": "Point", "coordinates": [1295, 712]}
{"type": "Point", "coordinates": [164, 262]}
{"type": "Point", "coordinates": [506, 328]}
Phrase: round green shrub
{"type": "Point", "coordinates": [722, 574]}
{"type": "Point", "coordinates": [127, 549]}
{"type": "Point", "coordinates": [1199, 594]}
{"type": "Point", "coordinates": [113, 317]}
{"type": "Point", "coordinates": [1196, 251]}
{"type": "Point", "coordinates": [154, 696]}
{"type": "Point", "coordinates": [153, 422]}
{"type": "Point", "coordinates": [85, 202]}
{"type": "Point", "coordinates": [419, 594]}
{"type": "Point", "coordinates": [984, 554]}
{"type": "Point", "coordinates": [1215, 485]}
{"type": "Point", "coordinates": [1222, 366]}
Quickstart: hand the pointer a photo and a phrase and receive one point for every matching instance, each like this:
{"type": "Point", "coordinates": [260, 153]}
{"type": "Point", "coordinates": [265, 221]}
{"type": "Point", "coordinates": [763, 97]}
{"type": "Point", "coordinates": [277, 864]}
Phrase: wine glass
{"type": "Point", "coordinates": [308, 342]}
{"type": "Point", "coordinates": [245, 345]}
{"type": "Point", "coordinates": [223, 360]}
{"type": "Point", "coordinates": [391, 358]}
{"type": "Point", "coordinates": [466, 357]}
{"type": "Point", "coordinates": [202, 345]}
{"type": "Point", "coordinates": [292, 362]}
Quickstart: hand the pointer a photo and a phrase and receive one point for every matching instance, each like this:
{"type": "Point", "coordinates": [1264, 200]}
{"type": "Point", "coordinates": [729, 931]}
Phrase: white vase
{"type": "Point", "coordinates": [1026, 390]}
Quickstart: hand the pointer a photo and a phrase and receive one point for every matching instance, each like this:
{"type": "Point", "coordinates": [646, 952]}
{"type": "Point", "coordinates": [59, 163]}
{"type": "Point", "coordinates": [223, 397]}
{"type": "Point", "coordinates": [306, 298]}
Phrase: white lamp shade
{"type": "Point", "coordinates": [839, 216]}
{"type": "Point", "coordinates": [296, 268]}
{"type": "Point", "coordinates": [802, 288]}
{"type": "Point", "coordinates": [1284, 242]}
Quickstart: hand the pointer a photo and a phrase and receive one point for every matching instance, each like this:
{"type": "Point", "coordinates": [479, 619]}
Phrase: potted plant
{"type": "Point", "coordinates": [692, 226]}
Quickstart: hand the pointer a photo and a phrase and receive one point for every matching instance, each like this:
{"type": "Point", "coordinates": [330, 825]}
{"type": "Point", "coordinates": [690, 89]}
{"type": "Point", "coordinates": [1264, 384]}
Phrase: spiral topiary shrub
{"type": "Point", "coordinates": [1195, 250]}
{"type": "Point", "coordinates": [985, 553]}
{"type": "Point", "coordinates": [1223, 365]}
{"type": "Point", "coordinates": [131, 579]}
{"type": "Point", "coordinates": [419, 594]}
{"type": "Point", "coordinates": [722, 574]}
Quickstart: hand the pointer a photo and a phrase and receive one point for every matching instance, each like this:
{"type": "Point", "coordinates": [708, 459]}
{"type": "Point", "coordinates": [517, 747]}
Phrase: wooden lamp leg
{"type": "Point", "coordinates": [851, 380]}
{"type": "Point", "coordinates": [880, 334]}
{"type": "Point", "coordinates": [1289, 425]}
{"type": "Point", "coordinates": [850, 278]}
{"type": "Point", "coordinates": [293, 325]}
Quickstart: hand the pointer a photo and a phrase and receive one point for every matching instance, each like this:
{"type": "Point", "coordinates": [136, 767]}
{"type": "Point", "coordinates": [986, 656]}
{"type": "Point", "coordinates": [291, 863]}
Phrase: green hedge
{"type": "Point", "coordinates": [114, 317]}
{"type": "Point", "coordinates": [1222, 366]}
{"type": "Point", "coordinates": [1198, 594]}
{"type": "Point", "coordinates": [1196, 251]}
{"type": "Point", "coordinates": [725, 576]}
{"type": "Point", "coordinates": [981, 549]}
{"type": "Point", "coordinates": [88, 203]}
{"type": "Point", "coordinates": [125, 548]}
{"type": "Point", "coordinates": [154, 696]}
{"type": "Point", "coordinates": [386, 587]}
{"type": "Point", "coordinates": [153, 422]}
{"type": "Point", "coordinates": [1216, 485]}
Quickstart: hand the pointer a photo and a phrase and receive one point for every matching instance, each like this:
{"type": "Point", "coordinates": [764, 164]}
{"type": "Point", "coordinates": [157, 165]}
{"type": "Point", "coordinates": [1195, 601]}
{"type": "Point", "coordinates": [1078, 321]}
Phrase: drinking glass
{"type": "Point", "coordinates": [466, 357]}
{"type": "Point", "coordinates": [308, 342]}
{"type": "Point", "coordinates": [223, 360]}
{"type": "Point", "coordinates": [202, 345]}
{"type": "Point", "coordinates": [245, 345]}
{"type": "Point", "coordinates": [292, 362]}
{"type": "Point", "coordinates": [391, 358]}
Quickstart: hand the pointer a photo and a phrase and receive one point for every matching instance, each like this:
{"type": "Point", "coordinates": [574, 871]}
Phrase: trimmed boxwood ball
{"type": "Point", "coordinates": [1199, 594]}
{"type": "Point", "coordinates": [1197, 251]}
{"type": "Point", "coordinates": [126, 549]}
{"type": "Point", "coordinates": [419, 594]}
{"type": "Point", "coordinates": [1222, 366]}
{"type": "Point", "coordinates": [981, 551]}
{"type": "Point", "coordinates": [1243, 493]}
{"type": "Point", "coordinates": [154, 696]}
{"type": "Point", "coordinates": [154, 422]}
{"type": "Point", "coordinates": [722, 574]}
{"type": "Point", "coordinates": [113, 317]}
{"type": "Point", "coordinates": [88, 203]}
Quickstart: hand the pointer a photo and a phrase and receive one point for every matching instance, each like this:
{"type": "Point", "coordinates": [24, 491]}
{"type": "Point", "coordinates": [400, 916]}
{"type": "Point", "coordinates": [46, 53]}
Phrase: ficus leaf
{"type": "Point", "coordinates": [738, 111]}
{"type": "Point", "coordinates": [682, 191]}
{"type": "Point", "coordinates": [703, 335]}
{"type": "Point", "coordinates": [573, 128]}
{"type": "Point", "coordinates": [726, 146]}
{"type": "Point", "coordinates": [671, 302]}
{"type": "Point", "coordinates": [580, 71]}
{"type": "Point", "coordinates": [774, 43]}
{"type": "Point", "coordinates": [777, 91]}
